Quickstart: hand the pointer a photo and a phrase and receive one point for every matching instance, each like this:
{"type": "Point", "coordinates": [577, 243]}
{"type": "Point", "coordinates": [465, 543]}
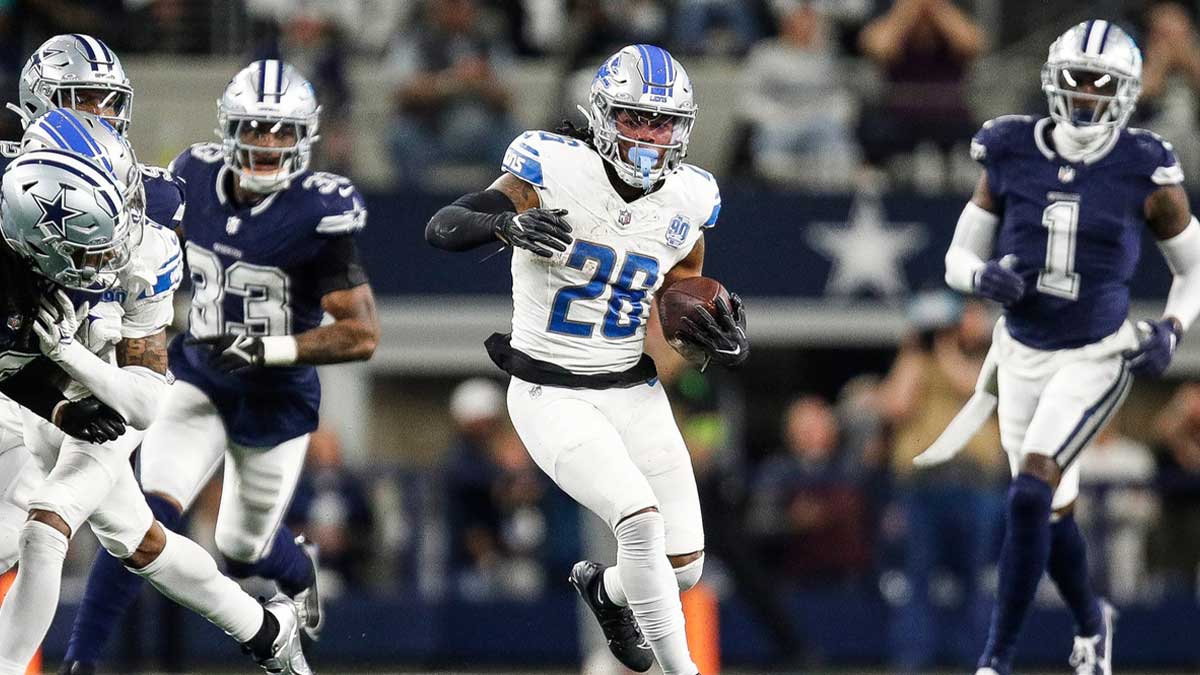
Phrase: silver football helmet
{"type": "Point", "coordinates": [94, 138]}
{"type": "Point", "coordinates": [267, 120]}
{"type": "Point", "coordinates": [70, 71]}
{"type": "Point", "coordinates": [641, 111]}
{"type": "Point", "coordinates": [1092, 78]}
{"type": "Point", "coordinates": [63, 212]}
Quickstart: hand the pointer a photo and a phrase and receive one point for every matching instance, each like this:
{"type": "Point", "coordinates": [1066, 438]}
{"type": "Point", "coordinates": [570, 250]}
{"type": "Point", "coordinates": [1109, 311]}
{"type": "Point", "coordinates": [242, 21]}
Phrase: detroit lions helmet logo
{"type": "Point", "coordinates": [677, 231]}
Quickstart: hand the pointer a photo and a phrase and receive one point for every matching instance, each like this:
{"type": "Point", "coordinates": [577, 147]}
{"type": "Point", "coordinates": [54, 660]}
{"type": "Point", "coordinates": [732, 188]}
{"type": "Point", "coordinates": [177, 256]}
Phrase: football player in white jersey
{"type": "Point", "coordinates": [78, 72]}
{"type": "Point", "coordinates": [72, 210]}
{"type": "Point", "coordinates": [599, 221]}
{"type": "Point", "coordinates": [73, 72]}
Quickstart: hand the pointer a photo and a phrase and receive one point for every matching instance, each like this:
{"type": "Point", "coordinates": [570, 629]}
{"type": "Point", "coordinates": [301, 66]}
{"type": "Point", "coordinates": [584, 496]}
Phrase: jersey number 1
{"type": "Point", "coordinates": [626, 301]}
{"type": "Point", "coordinates": [1058, 278]}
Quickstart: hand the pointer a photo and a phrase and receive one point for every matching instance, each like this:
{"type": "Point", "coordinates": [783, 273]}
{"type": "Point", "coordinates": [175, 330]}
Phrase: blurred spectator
{"type": "Point", "coordinates": [332, 510]}
{"type": "Point", "coordinates": [494, 493]}
{"type": "Point", "coordinates": [924, 48]}
{"type": "Point", "coordinates": [104, 19]}
{"type": "Point", "coordinates": [311, 35]}
{"type": "Point", "coordinates": [451, 104]}
{"type": "Point", "coordinates": [797, 105]}
{"type": "Point", "coordinates": [1126, 513]}
{"type": "Point", "coordinates": [943, 518]}
{"type": "Point", "coordinates": [715, 26]}
{"type": "Point", "coordinates": [1172, 55]}
{"type": "Point", "coordinates": [708, 408]}
{"type": "Point", "coordinates": [1175, 552]}
{"type": "Point", "coordinates": [807, 510]}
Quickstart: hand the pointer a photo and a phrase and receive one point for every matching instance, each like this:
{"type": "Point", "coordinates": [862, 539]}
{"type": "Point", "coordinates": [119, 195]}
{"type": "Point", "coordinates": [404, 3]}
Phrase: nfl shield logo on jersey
{"type": "Point", "coordinates": [15, 321]}
{"type": "Point", "coordinates": [1066, 174]}
{"type": "Point", "coordinates": [677, 231]}
{"type": "Point", "coordinates": [233, 225]}
{"type": "Point", "coordinates": [624, 218]}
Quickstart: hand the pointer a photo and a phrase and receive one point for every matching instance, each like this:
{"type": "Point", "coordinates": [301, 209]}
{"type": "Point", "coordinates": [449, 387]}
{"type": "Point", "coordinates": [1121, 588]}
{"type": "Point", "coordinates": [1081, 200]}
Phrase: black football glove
{"type": "Point", "coordinates": [723, 337]}
{"type": "Point", "coordinates": [90, 420]}
{"type": "Point", "coordinates": [540, 231]}
{"type": "Point", "coordinates": [232, 353]}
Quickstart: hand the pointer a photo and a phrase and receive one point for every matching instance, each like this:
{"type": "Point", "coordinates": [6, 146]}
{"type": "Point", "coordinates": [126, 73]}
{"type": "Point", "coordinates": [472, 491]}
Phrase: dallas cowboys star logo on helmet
{"type": "Point", "coordinates": [55, 212]}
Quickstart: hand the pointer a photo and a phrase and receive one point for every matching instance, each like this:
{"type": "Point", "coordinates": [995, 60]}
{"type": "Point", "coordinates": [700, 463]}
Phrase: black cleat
{"type": "Point", "coordinates": [625, 639]}
{"type": "Point", "coordinates": [77, 668]}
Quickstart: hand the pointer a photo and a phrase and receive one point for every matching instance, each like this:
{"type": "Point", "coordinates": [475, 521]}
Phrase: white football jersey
{"type": "Point", "coordinates": [141, 304]}
{"type": "Point", "coordinates": [586, 309]}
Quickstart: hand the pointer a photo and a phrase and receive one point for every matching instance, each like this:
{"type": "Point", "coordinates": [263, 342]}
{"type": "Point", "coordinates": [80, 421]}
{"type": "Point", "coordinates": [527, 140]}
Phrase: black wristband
{"type": "Point", "coordinates": [471, 221]}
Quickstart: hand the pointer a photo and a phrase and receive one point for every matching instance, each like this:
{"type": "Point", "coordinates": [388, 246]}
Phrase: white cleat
{"type": "Point", "coordinates": [986, 671]}
{"type": "Point", "coordinates": [1093, 655]}
{"type": "Point", "coordinates": [287, 653]}
{"type": "Point", "coordinates": [309, 608]}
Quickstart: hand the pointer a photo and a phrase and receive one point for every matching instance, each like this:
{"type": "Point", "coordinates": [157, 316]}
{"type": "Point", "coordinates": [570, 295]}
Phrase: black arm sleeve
{"type": "Point", "coordinates": [338, 267]}
{"type": "Point", "coordinates": [470, 221]}
{"type": "Point", "coordinates": [32, 387]}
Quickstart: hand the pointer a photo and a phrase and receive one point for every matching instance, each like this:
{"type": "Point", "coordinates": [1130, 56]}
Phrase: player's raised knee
{"type": "Point", "coordinates": [51, 519]}
{"type": "Point", "coordinates": [238, 548]}
{"type": "Point", "coordinates": [148, 550]}
{"type": "Point", "coordinates": [688, 569]}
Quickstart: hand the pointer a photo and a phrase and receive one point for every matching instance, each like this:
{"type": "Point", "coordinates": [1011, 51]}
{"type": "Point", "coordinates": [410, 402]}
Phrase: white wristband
{"type": "Point", "coordinates": [279, 350]}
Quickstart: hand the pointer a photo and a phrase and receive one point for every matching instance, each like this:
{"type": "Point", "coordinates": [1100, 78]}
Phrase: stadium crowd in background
{"type": "Point", "coordinates": [833, 499]}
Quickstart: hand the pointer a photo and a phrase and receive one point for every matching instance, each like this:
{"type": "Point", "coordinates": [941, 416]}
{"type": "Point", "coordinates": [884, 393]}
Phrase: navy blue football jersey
{"type": "Point", "coordinates": [165, 202]}
{"type": "Point", "coordinates": [259, 271]}
{"type": "Point", "coordinates": [1074, 227]}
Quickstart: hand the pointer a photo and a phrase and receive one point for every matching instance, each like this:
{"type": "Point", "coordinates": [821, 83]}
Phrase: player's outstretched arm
{"type": "Point", "coordinates": [87, 419]}
{"type": "Point", "coordinates": [1170, 219]}
{"type": "Point", "coordinates": [1178, 233]}
{"type": "Point", "coordinates": [134, 388]}
{"type": "Point", "coordinates": [509, 211]}
{"type": "Point", "coordinates": [352, 336]}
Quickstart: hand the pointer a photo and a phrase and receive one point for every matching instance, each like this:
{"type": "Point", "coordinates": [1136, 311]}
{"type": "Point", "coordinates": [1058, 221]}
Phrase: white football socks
{"type": "Point", "coordinates": [651, 590]}
{"type": "Point", "coordinates": [29, 607]}
{"type": "Point", "coordinates": [187, 574]}
{"type": "Point", "coordinates": [686, 576]}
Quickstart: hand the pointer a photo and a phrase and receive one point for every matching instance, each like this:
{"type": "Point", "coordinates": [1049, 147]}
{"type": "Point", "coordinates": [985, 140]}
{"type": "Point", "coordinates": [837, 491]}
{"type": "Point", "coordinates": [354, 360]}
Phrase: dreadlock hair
{"type": "Point", "coordinates": [21, 289]}
{"type": "Point", "coordinates": [568, 129]}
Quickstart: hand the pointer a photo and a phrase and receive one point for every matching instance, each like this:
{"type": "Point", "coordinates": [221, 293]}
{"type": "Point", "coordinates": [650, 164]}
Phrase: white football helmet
{"type": "Point", "coordinates": [94, 138]}
{"type": "Point", "coordinates": [1092, 78]}
{"type": "Point", "coordinates": [641, 90]}
{"type": "Point", "coordinates": [63, 212]}
{"type": "Point", "coordinates": [63, 68]}
{"type": "Point", "coordinates": [268, 102]}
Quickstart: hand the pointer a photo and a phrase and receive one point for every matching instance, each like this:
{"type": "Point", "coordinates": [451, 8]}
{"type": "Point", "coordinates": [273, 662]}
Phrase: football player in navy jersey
{"type": "Point", "coordinates": [270, 247]}
{"type": "Point", "coordinates": [1052, 233]}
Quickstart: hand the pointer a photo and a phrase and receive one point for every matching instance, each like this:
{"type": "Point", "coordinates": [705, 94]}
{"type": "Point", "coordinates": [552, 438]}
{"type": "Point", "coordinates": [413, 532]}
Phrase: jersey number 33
{"type": "Point", "coordinates": [242, 299]}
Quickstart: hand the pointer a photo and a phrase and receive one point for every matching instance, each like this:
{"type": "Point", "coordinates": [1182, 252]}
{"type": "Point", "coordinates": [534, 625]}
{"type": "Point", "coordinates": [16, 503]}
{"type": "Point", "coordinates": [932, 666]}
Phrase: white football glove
{"type": "Point", "coordinates": [57, 322]}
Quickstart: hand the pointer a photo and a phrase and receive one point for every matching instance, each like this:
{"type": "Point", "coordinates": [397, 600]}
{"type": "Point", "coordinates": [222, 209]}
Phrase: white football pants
{"type": "Point", "coordinates": [1053, 403]}
{"type": "Point", "coordinates": [182, 451]}
{"type": "Point", "coordinates": [615, 451]}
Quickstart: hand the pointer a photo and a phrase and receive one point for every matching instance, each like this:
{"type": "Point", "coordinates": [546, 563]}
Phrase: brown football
{"type": "Point", "coordinates": [681, 299]}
